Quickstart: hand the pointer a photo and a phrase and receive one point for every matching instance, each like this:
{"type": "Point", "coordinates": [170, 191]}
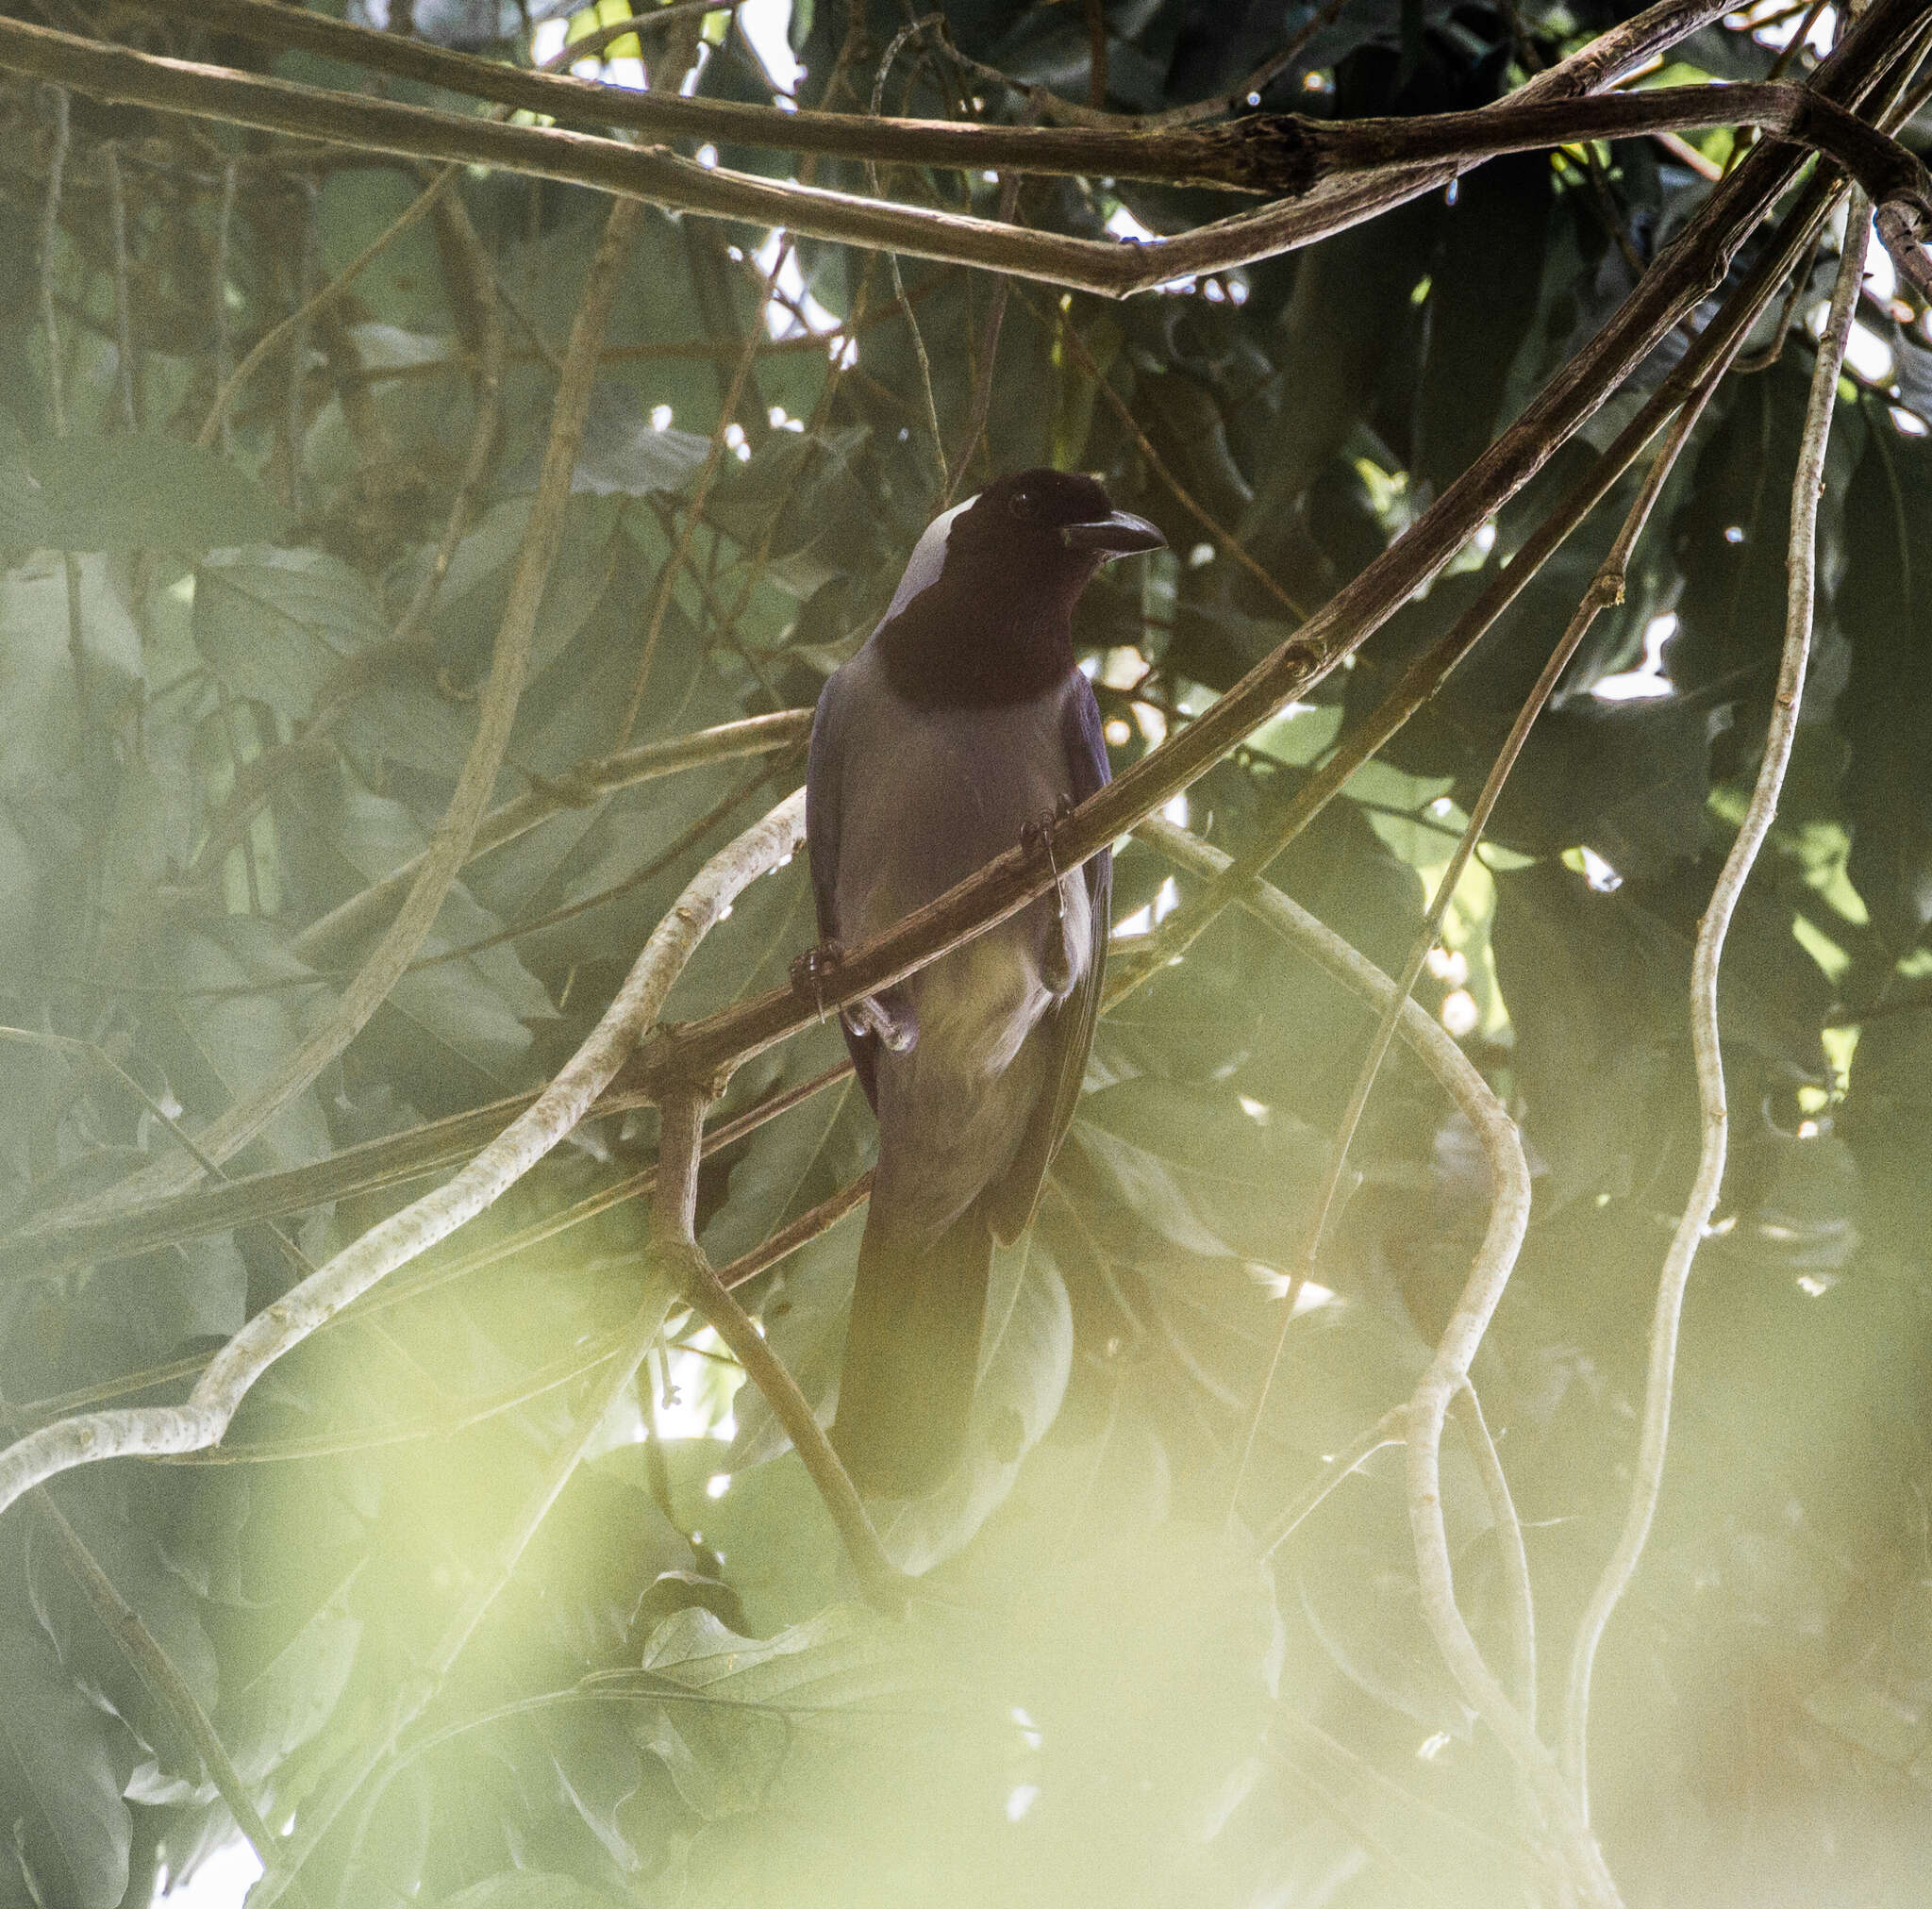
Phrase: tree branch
{"type": "Point", "coordinates": [1708, 956]}
{"type": "Point", "coordinates": [1448, 1371]}
{"type": "Point", "coordinates": [163, 1431]}
{"type": "Point", "coordinates": [1329, 204]}
{"type": "Point", "coordinates": [674, 1225]}
{"type": "Point", "coordinates": [156, 1671]}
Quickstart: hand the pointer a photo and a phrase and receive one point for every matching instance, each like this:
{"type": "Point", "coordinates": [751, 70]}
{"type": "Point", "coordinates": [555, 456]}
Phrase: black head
{"type": "Point", "coordinates": [985, 613]}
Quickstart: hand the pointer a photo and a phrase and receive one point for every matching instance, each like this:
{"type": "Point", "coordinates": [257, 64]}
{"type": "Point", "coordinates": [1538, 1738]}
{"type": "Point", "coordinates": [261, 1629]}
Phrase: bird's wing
{"type": "Point", "coordinates": [824, 774]}
{"type": "Point", "coordinates": [1069, 1027]}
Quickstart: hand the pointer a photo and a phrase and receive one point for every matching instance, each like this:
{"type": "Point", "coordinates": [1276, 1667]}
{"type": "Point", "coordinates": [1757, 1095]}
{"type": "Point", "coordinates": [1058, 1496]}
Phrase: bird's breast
{"type": "Point", "coordinates": [930, 796]}
{"type": "Point", "coordinates": [933, 794]}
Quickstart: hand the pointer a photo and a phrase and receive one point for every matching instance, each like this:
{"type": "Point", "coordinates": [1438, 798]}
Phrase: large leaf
{"type": "Point", "coordinates": [622, 451]}
{"type": "Point", "coordinates": [1201, 1171]}
{"type": "Point", "coordinates": [145, 493]}
{"type": "Point", "coordinates": [295, 1692]}
{"type": "Point", "coordinates": [281, 623]}
{"type": "Point", "coordinates": [60, 1790]}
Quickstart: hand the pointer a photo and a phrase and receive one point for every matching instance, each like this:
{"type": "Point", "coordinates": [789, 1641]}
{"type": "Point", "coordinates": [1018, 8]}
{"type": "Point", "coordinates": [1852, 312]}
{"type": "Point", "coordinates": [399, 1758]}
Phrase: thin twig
{"type": "Point", "coordinates": [1707, 959]}
{"type": "Point", "coordinates": [309, 304]}
{"type": "Point", "coordinates": [224, 328]}
{"type": "Point", "coordinates": [1488, 1464]}
{"type": "Point", "coordinates": [123, 299]}
{"type": "Point", "coordinates": [157, 1670]}
{"type": "Point", "coordinates": [496, 710]}
{"type": "Point", "coordinates": [988, 356]}
{"type": "Point", "coordinates": [295, 329]}
{"type": "Point", "coordinates": [419, 1689]}
{"type": "Point", "coordinates": [1605, 587]}
{"type": "Point", "coordinates": [872, 176]}
{"type": "Point", "coordinates": [681, 1113]}
{"type": "Point", "coordinates": [163, 1431]}
{"type": "Point", "coordinates": [801, 1232]}
{"type": "Point", "coordinates": [1339, 1466]}
{"type": "Point", "coordinates": [50, 230]}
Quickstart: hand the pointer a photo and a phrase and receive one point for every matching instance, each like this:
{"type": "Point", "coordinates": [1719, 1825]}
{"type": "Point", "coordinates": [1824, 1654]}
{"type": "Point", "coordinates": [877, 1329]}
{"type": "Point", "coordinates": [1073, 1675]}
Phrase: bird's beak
{"type": "Point", "coordinates": [1120, 533]}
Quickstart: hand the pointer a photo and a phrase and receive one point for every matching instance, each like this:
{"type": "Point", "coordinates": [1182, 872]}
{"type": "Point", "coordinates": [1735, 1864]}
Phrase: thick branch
{"type": "Point", "coordinates": [1693, 266]}
{"type": "Point", "coordinates": [1239, 157]}
{"type": "Point", "coordinates": [1255, 153]}
{"type": "Point", "coordinates": [661, 177]}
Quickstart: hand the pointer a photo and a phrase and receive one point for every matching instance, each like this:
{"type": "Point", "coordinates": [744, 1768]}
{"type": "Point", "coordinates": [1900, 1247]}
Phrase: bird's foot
{"type": "Point", "coordinates": [888, 1014]}
{"type": "Point", "coordinates": [1056, 959]}
{"type": "Point", "coordinates": [1036, 839]}
{"type": "Point", "coordinates": [814, 969]}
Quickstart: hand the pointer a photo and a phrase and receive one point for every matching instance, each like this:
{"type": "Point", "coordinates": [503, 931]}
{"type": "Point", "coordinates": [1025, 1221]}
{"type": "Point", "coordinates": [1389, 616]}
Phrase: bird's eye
{"type": "Point", "coordinates": [1023, 504]}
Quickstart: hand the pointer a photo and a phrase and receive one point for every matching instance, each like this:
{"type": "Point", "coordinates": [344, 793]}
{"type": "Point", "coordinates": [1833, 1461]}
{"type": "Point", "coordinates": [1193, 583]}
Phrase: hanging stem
{"type": "Point", "coordinates": [1706, 957]}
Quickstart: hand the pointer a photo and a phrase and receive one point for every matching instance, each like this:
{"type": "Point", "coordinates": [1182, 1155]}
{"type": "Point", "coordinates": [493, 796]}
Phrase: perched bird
{"type": "Point", "coordinates": [963, 723]}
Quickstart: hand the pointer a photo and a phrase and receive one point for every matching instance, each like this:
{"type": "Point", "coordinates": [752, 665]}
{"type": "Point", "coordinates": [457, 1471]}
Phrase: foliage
{"type": "Point", "coordinates": [212, 735]}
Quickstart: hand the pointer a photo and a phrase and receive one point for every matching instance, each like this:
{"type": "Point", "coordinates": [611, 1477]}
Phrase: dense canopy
{"type": "Point", "coordinates": [430, 502]}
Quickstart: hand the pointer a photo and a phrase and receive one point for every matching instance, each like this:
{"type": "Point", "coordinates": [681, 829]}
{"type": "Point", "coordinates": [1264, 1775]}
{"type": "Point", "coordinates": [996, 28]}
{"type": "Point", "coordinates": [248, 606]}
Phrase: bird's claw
{"type": "Point", "coordinates": [810, 971]}
{"type": "Point", "coordinates": [1035, 841]}
{"type": "Point", "coordinates": [888, 1015]}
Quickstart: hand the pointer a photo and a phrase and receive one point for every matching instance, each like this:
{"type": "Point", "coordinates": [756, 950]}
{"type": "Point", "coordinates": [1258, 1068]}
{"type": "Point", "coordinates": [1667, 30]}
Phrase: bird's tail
{"type": "Point", "coordinates": [912, 1353]}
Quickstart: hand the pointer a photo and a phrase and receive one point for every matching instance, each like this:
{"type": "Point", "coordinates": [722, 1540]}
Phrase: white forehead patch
{"type": "Point", "coordinates": [928, 558]}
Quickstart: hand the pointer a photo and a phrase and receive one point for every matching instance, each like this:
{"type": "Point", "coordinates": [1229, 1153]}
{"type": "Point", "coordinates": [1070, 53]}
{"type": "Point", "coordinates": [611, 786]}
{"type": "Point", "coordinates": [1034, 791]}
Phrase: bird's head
{"type": "Point", "coordinates": [984, 613]}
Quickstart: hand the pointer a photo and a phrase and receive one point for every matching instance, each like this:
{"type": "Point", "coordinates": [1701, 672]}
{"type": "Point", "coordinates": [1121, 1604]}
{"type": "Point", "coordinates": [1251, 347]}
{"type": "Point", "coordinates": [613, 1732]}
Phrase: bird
{"type": "Point", "coordinates": [960, 727]}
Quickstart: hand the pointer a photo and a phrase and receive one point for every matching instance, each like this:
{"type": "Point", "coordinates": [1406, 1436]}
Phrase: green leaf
{"type": "Point", "coordinates": [1201, 1171]}
{"type": "Point", "coordinates": [115, 1514]}
{"type": "Point", "coordinates": [229, 1029]}
{"type": "Point", "coordinates": [740, 1699]}
{"type": "Point", "coordinates": [39, 718]}
{"type": "Point", "coordinates": [145, 492]}
{"type": "Point", "coordinates": [23, 508]}
{"type": "Point", "coordinates": [290, 1698]}
{"type": "Point", "coordinates": [281, 623]}
{"type": "Point", "coordinates": [530, 1889]}
{"type": "Point", "coordinates": [59, 1795]}
{"type": "Point", "coordinates": [622, 453]}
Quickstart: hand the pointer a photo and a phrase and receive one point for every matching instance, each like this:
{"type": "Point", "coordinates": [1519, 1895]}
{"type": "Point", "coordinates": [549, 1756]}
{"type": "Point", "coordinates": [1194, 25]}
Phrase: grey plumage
{"type": "Point", "coordinates": [961, 722]}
